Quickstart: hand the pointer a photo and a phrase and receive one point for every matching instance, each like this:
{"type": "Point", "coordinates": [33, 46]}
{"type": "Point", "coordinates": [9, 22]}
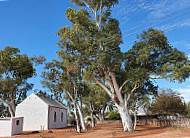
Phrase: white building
{"type": "Point", "coordinates": [11, 126]}
{"type": "Point", "coordinates": [41, 112]}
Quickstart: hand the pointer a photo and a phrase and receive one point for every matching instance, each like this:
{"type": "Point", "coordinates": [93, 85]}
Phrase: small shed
{"type": "Point", "coordinates": [41, 112]}
{"type": "Point", "coordinates": [11, 126]}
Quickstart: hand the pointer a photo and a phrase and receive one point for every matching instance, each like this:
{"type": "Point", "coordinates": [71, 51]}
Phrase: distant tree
{"type": "Point", "coordinates": [15, 70]}
{"type": "Point", "coordinates": [137, 102]}
{"type": "Point", "coordinates": [66, 78]}
{"type": "Point", "coordinates": [54, 89]}
{"type": "Point", "coordinates": [41, 93]}
{"type": "Point", "coordinates": [96, 100]}
{"type": "Point", "coordinates": [168, 103]}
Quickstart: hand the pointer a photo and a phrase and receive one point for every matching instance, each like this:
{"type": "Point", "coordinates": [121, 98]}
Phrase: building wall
{"type": "Point", "coordinates": [5, 127]}
{"type": "Point", "coordinates": [58, 123]}
{"type": "Point", "coordinates": [17, 125]}
{"type": "Point", "coordinates": [10, 126]}
{"type": "Point", "coordinates": [35, 113]}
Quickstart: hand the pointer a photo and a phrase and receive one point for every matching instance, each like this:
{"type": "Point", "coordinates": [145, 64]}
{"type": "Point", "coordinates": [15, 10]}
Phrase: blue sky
{"type": "Point", "coordinates": [30, 25]}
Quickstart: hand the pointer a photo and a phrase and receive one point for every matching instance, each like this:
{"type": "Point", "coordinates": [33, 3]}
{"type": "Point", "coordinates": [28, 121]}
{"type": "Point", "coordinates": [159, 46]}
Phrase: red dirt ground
{"type": "Point", "coordinates": [108, 130]}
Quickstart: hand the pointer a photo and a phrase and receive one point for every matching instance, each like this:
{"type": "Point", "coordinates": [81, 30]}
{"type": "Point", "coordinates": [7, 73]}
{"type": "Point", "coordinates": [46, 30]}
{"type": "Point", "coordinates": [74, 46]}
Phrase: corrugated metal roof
{"type": "Point", "coordinates": [52, 102]}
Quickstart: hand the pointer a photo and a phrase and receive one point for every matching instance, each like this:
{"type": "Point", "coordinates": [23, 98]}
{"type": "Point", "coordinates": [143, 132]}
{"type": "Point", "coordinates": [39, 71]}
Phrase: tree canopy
{"type": "Point", "coordinates": [15, 70]}
{"type": "Point", "coordinates": [168, 103]}
{"type": "Point", "coordinates": [92, 43]}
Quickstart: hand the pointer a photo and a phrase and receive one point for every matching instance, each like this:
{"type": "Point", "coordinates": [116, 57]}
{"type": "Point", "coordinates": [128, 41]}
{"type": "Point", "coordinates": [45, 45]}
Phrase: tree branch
{"type": "Point", "coordinates": [114, 81]}
{"type": "Point", "coordinates": [104, 87]}
{"type": "Point", "coordinates": [92, 11]}
{"type": "Point", "coordinates": [2, 100]}
{"type": "Point", "coordinates": [131, 93]}
{"type": "Point", "coordinates": [120, 89]}
{"type": "Point", "coordinates": [19, 96]}
{"type": "Point", "coordinates": [119, 96]}
{"type": "Point", "coordinates": [70, 96]}
{"type": "Point", "coordinates": [100, 16]}
{"type": "Point", "coordinates": [155, 78]}
{"type": "Point", "coordinates": [108, 79]}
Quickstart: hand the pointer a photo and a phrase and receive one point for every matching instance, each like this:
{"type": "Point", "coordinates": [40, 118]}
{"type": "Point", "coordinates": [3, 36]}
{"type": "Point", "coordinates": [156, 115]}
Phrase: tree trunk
{"type": "Point", "coordinates": [12, 109]}
{"type": "Point", "coordinates": [100, 116]}
{"type": "Point", "coordinates": [135, 120]}
{"type": "Point", "coordinates": [92, 120]}
{"type": "Point", "coordinates": [116, 94]}
{"type": "Point", "coordinates": [81, 117]}
{"type": "Point", "coordinates": [76, 118]}
{"type": "Point", "coordinates": [125, 118]}
{"type": "Point", "coordinates": [103, 111]}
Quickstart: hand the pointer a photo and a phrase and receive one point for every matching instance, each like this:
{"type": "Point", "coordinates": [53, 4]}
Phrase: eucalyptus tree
{"type": "Point", "coordinates": [136, 103]}
{"type": "Point", "coordinates": [103, 101]}
{"type": "Point", "coordinates": [15, 70]}
{"type": "Point", "coordinates": [93, 41]}
{"type": "Point", "coordinates": [96, 100]}
{"type": "Point", "coordinates": [141, 98]}
{"type": "Point", "coordinates": [168, 102]}
{"type": "Point", "coordinates": [65, 78]}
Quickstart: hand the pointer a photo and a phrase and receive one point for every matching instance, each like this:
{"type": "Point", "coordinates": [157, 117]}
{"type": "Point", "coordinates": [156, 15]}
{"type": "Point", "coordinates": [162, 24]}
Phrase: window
{"type": "Point", "coordinates": [61, 117]}
{"type": "Point", "coordinates": [17, 122]}
{"type": "Point", "coordinates": [54, 116]}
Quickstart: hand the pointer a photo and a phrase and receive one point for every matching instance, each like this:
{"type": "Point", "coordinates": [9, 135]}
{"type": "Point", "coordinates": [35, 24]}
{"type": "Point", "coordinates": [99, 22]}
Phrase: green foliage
{"type": "Point", "coordinates": [89, 47]}
{"type": "Point", "coordinates": [92, 43]}
{"type": "Point", "coordinates": [96, 100]}
{"type": "Point", "coordinates": [168, 103]}
{"type": "Point", "coordinates": [153, 55]}
{"type": "Point", "coordinates": [3, 110]}
{"type": "Point", "coordinates": [15, 69]}
{"type": "Point", "coordinates": [43, 94]}
{"type": "Point", "coordinates": [96, 95]}
{"type": "Point", "coordinates": [114, 115]}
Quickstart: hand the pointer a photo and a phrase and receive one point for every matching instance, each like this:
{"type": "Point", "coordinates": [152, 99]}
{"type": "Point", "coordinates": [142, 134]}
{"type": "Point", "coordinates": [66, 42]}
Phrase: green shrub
{"type": "Point", "coordinates": [114, 115]}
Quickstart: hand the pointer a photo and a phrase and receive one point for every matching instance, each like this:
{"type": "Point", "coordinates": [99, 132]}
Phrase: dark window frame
{"type": "Point", "coordinates": [55, 117]}
{"type": "Point", "coordinates": [61, 116]}
{"type": "Point", "coordinates": [17, 122]}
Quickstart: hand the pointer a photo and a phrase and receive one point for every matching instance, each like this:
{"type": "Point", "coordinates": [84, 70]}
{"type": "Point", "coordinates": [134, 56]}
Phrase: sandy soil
{"type": "Point", "coordinates": [109, 130]}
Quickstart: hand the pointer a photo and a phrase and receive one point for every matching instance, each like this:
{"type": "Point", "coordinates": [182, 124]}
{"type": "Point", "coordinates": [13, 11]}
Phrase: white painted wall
{"type": "Point", "coordinates": [58, 123]}
{"type": "Point", "coordinates": [9, 127]}
{"type": "Point", "coordinates": [35, 113]}
{"type": "Point", "coordinates": [5, 127]}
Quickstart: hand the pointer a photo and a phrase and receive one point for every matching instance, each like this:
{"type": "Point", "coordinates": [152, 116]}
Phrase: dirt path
{"type": "Point", "coordinates": [110, 130]}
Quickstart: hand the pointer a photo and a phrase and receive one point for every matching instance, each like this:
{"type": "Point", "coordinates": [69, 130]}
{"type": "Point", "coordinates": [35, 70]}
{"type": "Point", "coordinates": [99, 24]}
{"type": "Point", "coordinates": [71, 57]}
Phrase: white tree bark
{"type": "Point", "coordinates": [81, 117]}
{"type": "Point", "coordinates": [12, 109]}
{"type": "Point", "coordinates": [135, 120]}
{"type": "Point", "coordinates": [75, 110]}
{"type": "Point", "coordinates": [92, 120]}
{"type": "Point", "coordinates": [125, 118]}
{"type": "Point", "coordinates": [11, 106]}
{"type": "Point", "coordinates": [12, 113]}
{"type": "Point", "coordinates": [76, 118]}
{"type": "Point", "coordinates": [116, 94]}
